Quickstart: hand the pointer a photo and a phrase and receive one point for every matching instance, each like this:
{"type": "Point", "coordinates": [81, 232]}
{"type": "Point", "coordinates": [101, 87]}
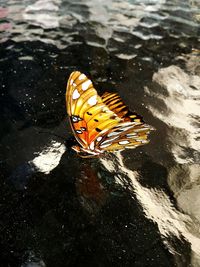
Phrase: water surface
{"type": "Point", "coordinates": [134, 208]}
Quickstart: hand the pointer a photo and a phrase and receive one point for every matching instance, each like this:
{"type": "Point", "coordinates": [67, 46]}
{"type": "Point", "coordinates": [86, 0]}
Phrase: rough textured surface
{"type": "Point", "coordinates": [137, 208]}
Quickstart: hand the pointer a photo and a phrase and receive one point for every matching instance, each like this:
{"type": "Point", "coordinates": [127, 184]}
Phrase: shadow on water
{"type": "Point", "coordinates": [137, 208]}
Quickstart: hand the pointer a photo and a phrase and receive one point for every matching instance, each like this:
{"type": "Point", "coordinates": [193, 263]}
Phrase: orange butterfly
{"type": "Point", "coordinates": [101, 123]}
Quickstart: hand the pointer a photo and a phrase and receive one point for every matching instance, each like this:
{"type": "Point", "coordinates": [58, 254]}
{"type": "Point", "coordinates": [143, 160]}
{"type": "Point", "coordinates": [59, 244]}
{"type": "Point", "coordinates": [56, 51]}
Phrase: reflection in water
{"type": "Point", "coordinates": [47, 160]}
{"type": "Point", "coordinates": [178, 91]}
{"type": "Point", "coordinates": [182, 104]}
{"type": "Point", "coordinates": [49, 157]}
{"type": "Point", "coordinates": [158, 208]}
{"type": "Point", "coordinates": [33, 261]}
{"type": "Point", "coordinates": [184, 182]}
{"type": "Point", "coordinates": [43, 13]}
{"type": "Point", "coordinates": [90, 189]}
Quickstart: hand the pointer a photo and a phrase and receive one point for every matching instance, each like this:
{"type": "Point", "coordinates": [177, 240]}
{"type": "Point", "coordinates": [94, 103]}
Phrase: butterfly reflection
{"type": "Point", "coordinates": [91, 190]}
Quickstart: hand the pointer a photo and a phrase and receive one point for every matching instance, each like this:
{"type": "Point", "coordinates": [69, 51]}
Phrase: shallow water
{"type": "Point", "coordinates": [134, 208]}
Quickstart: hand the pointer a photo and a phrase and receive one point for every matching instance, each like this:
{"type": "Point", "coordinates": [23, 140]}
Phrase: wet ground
{"type": "Point", "coordinates": [134, 208]}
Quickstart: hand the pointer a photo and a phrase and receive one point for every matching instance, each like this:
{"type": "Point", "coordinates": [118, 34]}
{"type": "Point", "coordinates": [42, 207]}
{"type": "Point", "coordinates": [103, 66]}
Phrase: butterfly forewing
{"type": "Point", "coordinates": [89, 116]}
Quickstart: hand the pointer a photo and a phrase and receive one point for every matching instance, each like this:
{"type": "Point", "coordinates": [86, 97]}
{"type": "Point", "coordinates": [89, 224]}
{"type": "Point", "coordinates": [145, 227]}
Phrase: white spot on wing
{"type": "Point", "coordinates": [127, 127]}
{"type": "Point", "coordinates": [74, 118]}
{"type": "Point", "coordinates": [75, 94]}
{"type": "Point", "coordinates": [106, 145]}
{"type": "Point", "coordinates": [109, 140]}
{"type": "Point", "coordinates": [71, 82]}
{"type": "Point", "coordinates": [107, 110]}
{"type": "Point", "coordinates": [92, 146]}
{"type": "Point", "coordinates": [113, 134]}
{"type": "Point", "coordinates": [82, 77]}
{"type": "Point", "coordinates": [131, 135]}
{"type": "Point", "coordinates": [124, 142]}
{"type": "Point", "coordinates": [121, 129]}
{"type": "Point", "coordinates": [86, 84]}
{"type": "Point", "coordinates": [144, 141]}
{"type": "Point", "coordinates": [138, 140]}
{"type": "Point", "coordinates": [99, 138]}
{"type": "Point", "coordinates": [92, 100]}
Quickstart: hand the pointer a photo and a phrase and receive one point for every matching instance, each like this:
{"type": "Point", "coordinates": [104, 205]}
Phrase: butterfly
{"type": "Point", "coordinates": [103, 123]}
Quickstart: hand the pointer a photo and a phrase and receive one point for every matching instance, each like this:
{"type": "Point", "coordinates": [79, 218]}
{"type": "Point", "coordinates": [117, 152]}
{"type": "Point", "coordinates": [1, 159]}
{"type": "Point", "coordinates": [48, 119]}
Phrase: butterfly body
{"type": "Point", "coordinates": [101, 123]}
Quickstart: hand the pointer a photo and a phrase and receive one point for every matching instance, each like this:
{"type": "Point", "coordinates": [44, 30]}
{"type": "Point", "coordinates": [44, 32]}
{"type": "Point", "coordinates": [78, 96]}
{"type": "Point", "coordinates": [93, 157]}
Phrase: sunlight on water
{"type": "Point", "coordinates": [182, 104]}
{"type": "Point", "coordinates": [158, 208]}
{"type": "Point", "coordinates": [49, 157]}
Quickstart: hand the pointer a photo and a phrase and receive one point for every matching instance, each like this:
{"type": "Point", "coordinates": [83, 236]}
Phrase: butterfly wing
{"type": "Point", "coordinates": [89, 115]}
{"type": "Point", "coordinates": [132, 132]}
{"type": "Point", "coordinates": [115, 103]}
{"type": "Point", "coordinates": [124, 135]}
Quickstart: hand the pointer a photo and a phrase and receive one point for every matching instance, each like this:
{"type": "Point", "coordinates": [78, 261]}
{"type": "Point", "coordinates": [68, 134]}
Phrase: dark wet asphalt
{"type": "Point", "coordinates": [136, 208]}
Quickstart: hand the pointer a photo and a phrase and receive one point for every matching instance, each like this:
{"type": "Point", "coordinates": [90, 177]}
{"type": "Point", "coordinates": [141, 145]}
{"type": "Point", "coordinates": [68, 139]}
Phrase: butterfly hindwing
{"type": "Point", "coordinates": [124, 135]}
{"type": "Point", "coordinates": [115, 103]}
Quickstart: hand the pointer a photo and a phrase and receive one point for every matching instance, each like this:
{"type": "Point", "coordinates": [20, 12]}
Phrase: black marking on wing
{"type": "Point", "coordinates": [98, 130]}
{"type": "Point", "coordinates": [113, 117]}
{"type": "Point", "coordinates": [115, 104]}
